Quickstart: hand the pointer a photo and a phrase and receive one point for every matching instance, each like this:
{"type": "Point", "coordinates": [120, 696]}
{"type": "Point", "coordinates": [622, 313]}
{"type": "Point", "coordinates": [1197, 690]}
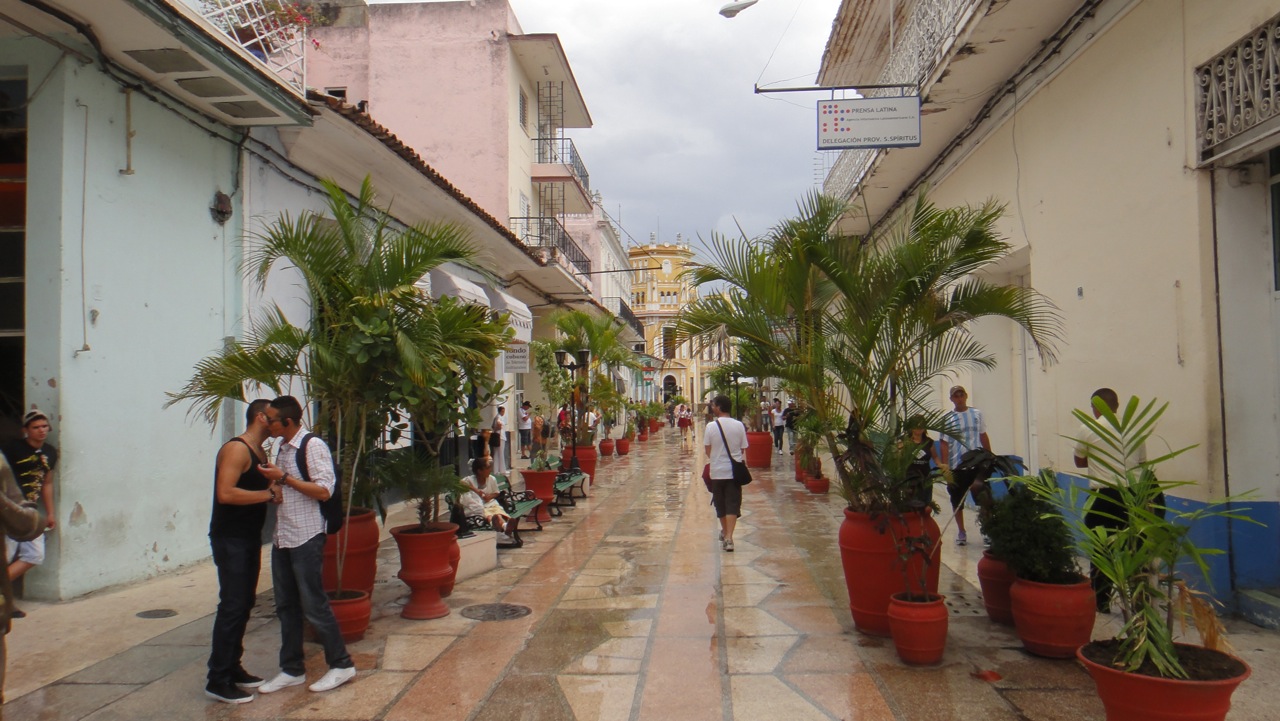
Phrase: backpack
{"type": "Point", "coordinates": [331, 507]}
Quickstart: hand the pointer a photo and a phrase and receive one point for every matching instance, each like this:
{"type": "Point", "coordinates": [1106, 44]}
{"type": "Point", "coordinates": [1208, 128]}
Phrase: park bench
{"type": "Point", "coordinates": [564, 485]}
{"type": "Point", "coordinates": [522, 504]}
{"type": "Point", "coordinates": [467, 525]}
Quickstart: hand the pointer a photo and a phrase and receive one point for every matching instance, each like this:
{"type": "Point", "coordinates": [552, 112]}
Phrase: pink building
{"type": "Point", "coordinates": [483, 102]}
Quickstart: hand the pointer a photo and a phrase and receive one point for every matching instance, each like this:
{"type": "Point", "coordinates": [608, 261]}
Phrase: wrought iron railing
{"type": "Point", "coordinates": [619, 308]}
{"type": "Point", "coordinates": [547, 232]}
{"type": "Point", "coordinates": [562, 151]}
{"type": "Point", "coordinates": [1238, 89]}
{"type": "Point", "coordinates": [271, 32]}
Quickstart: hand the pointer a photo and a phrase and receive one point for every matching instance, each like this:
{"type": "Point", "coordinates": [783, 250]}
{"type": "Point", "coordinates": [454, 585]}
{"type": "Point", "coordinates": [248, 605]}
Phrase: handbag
{"type": "Point", "coordinates": [741, 474]}
{"type": "Point", "coordinates": [706, 475]}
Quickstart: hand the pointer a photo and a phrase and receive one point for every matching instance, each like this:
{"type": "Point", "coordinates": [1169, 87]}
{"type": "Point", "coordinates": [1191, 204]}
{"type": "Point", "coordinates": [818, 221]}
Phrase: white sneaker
{"type": "Point", "coordinates": [283, 680]}
{"type": "Point", "coordinates": [504, 538]}
{"type": "Point", "coordinates": [333, 678]}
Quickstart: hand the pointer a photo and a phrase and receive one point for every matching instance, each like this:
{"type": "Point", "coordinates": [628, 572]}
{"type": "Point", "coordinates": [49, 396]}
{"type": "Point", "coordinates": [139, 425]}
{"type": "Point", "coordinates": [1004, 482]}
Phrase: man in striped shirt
{"type": "Point", "coordinates": [298, 552]}
{"type": "Point", "coordinates": [971, 435]}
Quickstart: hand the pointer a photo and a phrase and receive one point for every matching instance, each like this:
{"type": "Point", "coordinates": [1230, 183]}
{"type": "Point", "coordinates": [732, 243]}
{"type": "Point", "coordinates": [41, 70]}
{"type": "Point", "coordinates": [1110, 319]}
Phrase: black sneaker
{"type": "Point", "coordinates": [244, 679]}
{"type": "Point", "coordinates": [227, 693]}
{"type": "Point", "coordinates": [18, 613]}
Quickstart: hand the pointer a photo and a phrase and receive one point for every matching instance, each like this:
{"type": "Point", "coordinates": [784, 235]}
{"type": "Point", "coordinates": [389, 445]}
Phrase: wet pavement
{"type": "Point", "coordinates": [636, 614]}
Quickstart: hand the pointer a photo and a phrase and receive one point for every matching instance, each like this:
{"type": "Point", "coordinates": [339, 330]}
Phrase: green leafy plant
{"type": "Point", "coordinates": [419, 476]}
{"type": "Point", "coordinates": [541, 462]}
{"type": "Point", "coordinates": [1028, 535]}
{"type": "Point", "coordinates": [1146, 557]}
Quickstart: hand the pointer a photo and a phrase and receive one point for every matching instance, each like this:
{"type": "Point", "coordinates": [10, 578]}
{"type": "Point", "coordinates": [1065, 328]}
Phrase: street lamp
{"type": "Point", "coordinates": [734, 8]}
{"type": "Point", "coordinates": [735, 375]}
{"type": "Point", "coordinates": [572, 364]}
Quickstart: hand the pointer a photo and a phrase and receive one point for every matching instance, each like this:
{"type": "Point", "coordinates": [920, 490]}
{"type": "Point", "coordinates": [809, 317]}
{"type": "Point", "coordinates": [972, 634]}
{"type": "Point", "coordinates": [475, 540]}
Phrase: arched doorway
{"type": "Point", "coordinates": [670, 388]}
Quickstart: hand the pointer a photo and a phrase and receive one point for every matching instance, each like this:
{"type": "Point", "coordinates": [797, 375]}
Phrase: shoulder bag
{"type": "Point", "coordinates": [741, 474]}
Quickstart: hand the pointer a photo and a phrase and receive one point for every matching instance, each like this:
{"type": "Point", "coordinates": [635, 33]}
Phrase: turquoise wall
{"type": "Point", "coordinates": [149, 287]}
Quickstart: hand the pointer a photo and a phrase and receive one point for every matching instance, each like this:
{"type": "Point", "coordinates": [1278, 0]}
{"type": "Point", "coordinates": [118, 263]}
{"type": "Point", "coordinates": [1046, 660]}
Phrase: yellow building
{"type": "Point", "coordinates": [658, 292]}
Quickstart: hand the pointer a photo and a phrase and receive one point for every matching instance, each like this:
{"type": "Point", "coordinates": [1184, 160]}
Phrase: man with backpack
{"type": "Point", "coordinates": [305, 471]}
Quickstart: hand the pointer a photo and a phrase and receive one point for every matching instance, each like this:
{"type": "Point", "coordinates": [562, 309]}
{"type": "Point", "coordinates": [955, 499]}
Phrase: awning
{"type": "Point", "coordinates": [518, 314]}
{"type": "Point", "coordinates": [445, 283]}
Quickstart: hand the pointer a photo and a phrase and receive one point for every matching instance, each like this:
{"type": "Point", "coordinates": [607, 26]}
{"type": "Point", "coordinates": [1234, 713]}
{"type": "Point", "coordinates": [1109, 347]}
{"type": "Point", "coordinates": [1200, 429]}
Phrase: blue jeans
{"type": "Point", "coordinates": [238, 561]}
{"type": "Point", "coordinates": [299, 592]}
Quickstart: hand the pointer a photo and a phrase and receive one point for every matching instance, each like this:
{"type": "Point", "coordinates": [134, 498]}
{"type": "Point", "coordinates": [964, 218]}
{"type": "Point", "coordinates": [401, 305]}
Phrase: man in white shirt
{"type": "Point", "coordinates": [525, 425]}
{"type": "Point", "coordinates": [725, 438]}
{"type": "Point", "coordinates": [298, 552]}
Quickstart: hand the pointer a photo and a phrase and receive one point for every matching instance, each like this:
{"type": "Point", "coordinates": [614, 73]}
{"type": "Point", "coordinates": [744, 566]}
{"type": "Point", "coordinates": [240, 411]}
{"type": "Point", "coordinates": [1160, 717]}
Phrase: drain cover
{"type": "Point", "coordinates": [964, 605]}
{"type": "Point", "coordinates": [157, 613]}
{"type": "Point", "coordinates": [495, 612]}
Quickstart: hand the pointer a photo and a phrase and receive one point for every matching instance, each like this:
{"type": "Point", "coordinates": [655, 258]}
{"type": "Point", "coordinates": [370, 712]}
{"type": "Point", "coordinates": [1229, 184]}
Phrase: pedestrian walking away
{"type": "Point", "coordinates": [725, 439]}
{"type": "Point", "coordinates": [496, 445]}
{"type": "Point", "coordinates": [298, 552]}
{"type": "Point", "coordinates": [789, 421]}
{"type": "Point", "coordinates": [240, 496]}
{"type": "Point", "coordinates": [971, 435]}
{"type": "Point", "coordinates": [33, 461]}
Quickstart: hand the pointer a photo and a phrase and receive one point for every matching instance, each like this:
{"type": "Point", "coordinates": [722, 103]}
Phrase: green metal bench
{"type": "Point", "coordinates": [564, 485]}
{"type": "Point", "coordinates": [518, 505]}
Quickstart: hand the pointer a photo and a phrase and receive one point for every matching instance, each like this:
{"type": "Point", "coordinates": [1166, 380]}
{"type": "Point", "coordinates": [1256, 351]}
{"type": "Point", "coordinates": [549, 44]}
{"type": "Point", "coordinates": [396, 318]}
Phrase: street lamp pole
{"type": "Point", "coordinates": [736, 376]}
{"type": "Point", "coordinates": [572, 364]}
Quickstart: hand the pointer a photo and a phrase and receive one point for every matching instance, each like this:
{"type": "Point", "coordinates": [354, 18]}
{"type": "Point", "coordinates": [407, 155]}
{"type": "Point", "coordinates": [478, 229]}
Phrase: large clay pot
{"type": "Point", "coordinates": [455, 558]}
{"type": "Point", "coordinates": [606, 447]}
{"type": "Point", "coordinates": [624, 446]}
{"type": "Point", "coordinates": [359, 535]}
{"type": "Point", "coordinates": [353, 610]}
{"type": "Point", "coordinates": [586, 460]}
{"type": "Point", "coordinates": [1135, 697]}
{"type": "Point", "coordinates": [919, 628]}
{"type": "Point", "coordinates": [800, 474]}
{"type": "Point", "coordinates": [424, 566]}
{"type": "Point", "coordinates": [655, 425]}
{"type": "Point", "coordinates": [643, 435]}
{"type": "Point", "coordinates": [872, 569]}
{"type": "Point", "coordinates": [543, 486]}
{"type": "Point", "coordinates": [996, 578]}
{"type": "Point", "coordinates": [759, 449]}
{"type": "Point", "coordinates": [1053, 619]}
{"type": "Point", "coordinates": [818, 485]}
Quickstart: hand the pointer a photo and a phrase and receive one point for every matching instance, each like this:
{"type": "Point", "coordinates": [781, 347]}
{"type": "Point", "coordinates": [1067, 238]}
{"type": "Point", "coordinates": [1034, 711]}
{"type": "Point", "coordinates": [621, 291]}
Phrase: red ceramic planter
{"type": "Point", "coordinates": [543, 485]}
{"type": "Point", "coordinates": [360, 536]}
{"type": "Point", "coordinates": [587, 457]}
{"type": "Point", "coordinates": [872, 569]}
{"type": "Point", "coordinates": [606, 447]}
{"type": "Point", "coordinates": [1134, 697]}
{"type": "Point", "coordinates": [352, 609]}
{"type": "Point", "coordinates": [818, 485]}
{"type": "Point", "coordinates": [424, 567]}
{"type": "Point", "coordinates": [919, 629]}
{"type": "Point", "coordinates": [1053, 620]}
{"type": "Point", "coordinates": [759, 449]}
{"type": "Point", "coordinates": [624, 446]}
{"type": "Point", "coordinates": [996, 578]}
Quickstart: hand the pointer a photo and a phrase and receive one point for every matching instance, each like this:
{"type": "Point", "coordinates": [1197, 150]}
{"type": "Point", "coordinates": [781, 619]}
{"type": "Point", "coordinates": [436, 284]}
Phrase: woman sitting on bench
{"type": "Point", "coordinates": [482, 498]}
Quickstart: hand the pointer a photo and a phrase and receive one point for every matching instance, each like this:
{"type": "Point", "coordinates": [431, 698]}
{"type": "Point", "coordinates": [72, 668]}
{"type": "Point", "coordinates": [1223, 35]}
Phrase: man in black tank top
{"type": "Point", "coordinates": [240, 498]}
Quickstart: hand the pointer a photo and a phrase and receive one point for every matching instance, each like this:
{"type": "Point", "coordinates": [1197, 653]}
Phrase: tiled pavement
{"type": "Point", "coordinates": [636, 615]}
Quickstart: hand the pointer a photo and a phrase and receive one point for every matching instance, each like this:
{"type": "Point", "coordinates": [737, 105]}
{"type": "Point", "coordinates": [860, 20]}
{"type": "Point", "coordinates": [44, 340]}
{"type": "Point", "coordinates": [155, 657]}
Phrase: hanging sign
{"type": "Point", "coordinates": [517, 358]}
{"type": "Point", "coordinates": [869, 123]}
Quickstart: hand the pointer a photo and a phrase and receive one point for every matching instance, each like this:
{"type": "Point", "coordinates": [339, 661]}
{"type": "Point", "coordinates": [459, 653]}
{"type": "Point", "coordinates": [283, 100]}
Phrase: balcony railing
{"type": "Point", "coordinates": [1238, 90]}
{"type": "Point", "coordinates": [619, 308]}
{"type": "Point", "coordinates": [561, 151]}
{"type": "Point", "coordinates": [270, 34]}
{"type": "Point", "coordinates": [547, 232]}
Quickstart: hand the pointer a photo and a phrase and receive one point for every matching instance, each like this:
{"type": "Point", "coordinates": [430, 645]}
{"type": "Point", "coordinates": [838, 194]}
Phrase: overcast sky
{"type": "Point", "coordinates": [681, 144]}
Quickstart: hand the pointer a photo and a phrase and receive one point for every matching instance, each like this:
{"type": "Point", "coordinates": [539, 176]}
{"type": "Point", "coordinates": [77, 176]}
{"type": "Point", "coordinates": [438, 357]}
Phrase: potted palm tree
{"type": "Point", "coordinates": [863, 328]}
{"type": "Point", "coordinates": [1145, 673]}
{"type": "Point", "coordinates": [373, 334]}
{"type": "Point", "coordinates": [429, 548]}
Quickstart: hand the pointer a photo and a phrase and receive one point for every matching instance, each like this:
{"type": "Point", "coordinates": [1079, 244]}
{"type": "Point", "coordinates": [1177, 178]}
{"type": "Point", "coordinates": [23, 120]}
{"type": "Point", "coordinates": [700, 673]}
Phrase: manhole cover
{"type": "Point", "coordinates": [964, 605]}
{"type": "Point", "coordinates": [495, 612]}
{"type": "Point", "coordinates": [157, 613]}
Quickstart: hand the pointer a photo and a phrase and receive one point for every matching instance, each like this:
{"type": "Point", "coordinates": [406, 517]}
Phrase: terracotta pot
{"type": "Point", "coordinates": [543, 485]}
{"type": "Point", "coordinates": [359, 536]}
{"type": "Point", "coordinates": [353, 610]}
{"type": "Point", "coordinates": [586, 460]}
{"type": "Point", "coordinates": [872, 570]}
{"type": "Point", "coordinates": [424, 566]}
{"type": "Point", "coordinates": [818, 485]}
{"type": "Point", "coordinates": [1053, 619]}
{"type": "Point", "coordinates": [655, 425]}
{"type": "Point", "coordinates": [800, 474]}
{"type": "Point", "coordinates": [455, 557]}
{"type": "Point", "coordinates": [759, 449]}
{"type": "Point", "coordinates": [996, 578]}
{"type": "Point", "coordinates": [919, 628]}
{"type": "Point", "coordinates": [1135, 697]}
{"type": "Point", "coordinates": [624, 446]}
{"type": "Point", "coordinates": [606, 447]}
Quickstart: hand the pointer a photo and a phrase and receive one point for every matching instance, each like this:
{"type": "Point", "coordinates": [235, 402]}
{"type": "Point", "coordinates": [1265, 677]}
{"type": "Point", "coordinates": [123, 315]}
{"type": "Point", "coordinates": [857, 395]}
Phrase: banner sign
{"type": "Point", "coordinates": [517, 358]}
{"type": "Point", "coordinates": [648, 376]}
{"type": "Point", "coordinates": [869, 123]}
